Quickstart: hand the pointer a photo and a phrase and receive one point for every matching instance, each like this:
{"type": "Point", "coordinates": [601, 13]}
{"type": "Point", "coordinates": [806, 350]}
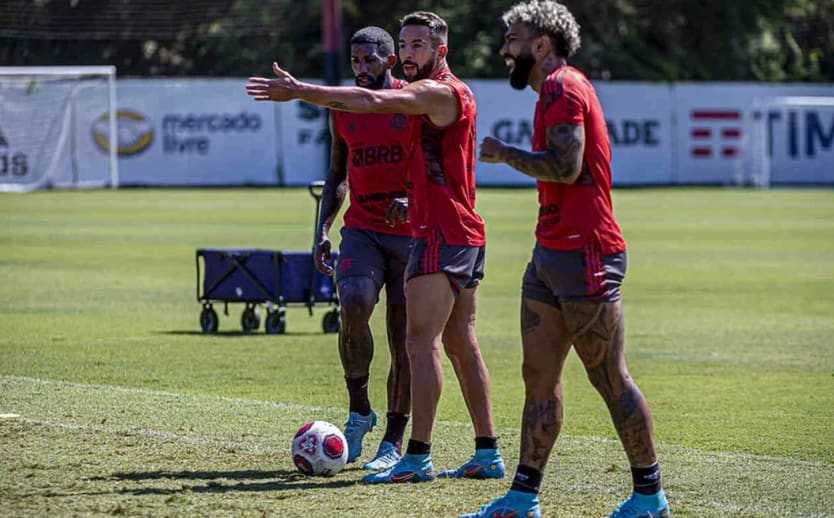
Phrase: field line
{"type": "Point", "coordinates": [666, 449]}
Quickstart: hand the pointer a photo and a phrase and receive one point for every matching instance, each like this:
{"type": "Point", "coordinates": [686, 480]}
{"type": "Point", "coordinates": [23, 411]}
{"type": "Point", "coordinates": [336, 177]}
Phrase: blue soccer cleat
{"type": "Point", "coordinates": [356, 428]}
{"type": "Point", "coordinates": [643, 506]}
{"type": "Point", "coordinates": [411, 468]}
{"type": "Point", "coordinates": [486, 463]}
{"type": "Point", "coordinates": [515, 504]}
{"type": "Point", "coordinates": [386, 456]}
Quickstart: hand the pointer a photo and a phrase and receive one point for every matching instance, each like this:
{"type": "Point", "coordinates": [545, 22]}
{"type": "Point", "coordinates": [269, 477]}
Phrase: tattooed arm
{"type": "Point", "coordinates": [560, 162]}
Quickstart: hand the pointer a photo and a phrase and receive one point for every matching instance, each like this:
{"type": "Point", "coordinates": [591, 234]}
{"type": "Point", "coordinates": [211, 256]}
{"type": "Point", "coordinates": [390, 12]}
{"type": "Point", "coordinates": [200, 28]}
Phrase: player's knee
{"type": "Point", "coordinates": [538, 378]}
{"type": "Point", "coordinates": [356, 303]}
{"type": "Point", "coordinates": [609, 381]}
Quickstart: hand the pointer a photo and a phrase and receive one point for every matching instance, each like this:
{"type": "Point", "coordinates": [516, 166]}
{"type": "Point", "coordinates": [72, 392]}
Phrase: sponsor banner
{"type": "Point", "coordinates": [727, 132]}
{"type": "Point", "coordinates": [304, 137]}
{"type": "Point", "coordinates": [506, 114]}
{"type": "Point", "coordinates": [641, 131]}
{"type": "Point", "coordinates": [188, 132]}
{"type": "Point", "coordinates": [638, 116]}
{"type": "Point", "coordinates": [209, 132]}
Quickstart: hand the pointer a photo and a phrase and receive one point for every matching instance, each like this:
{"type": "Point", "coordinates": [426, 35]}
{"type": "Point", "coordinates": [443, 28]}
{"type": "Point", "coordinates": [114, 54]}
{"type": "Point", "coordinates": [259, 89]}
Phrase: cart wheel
{"type": "Point", "coordinates": [276, 323]}
{"type": "Point", "coordinates": [332, 321]}
{"type": "Point", "coordinates": [208, 320]}
{"type": "Point", "coordinates": [250, 319]}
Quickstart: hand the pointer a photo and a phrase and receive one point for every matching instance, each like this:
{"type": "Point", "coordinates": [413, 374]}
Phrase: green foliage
{"type": "Point", "coordinates": [126, 408]}
{"type": "Point", "coordinates": [674, 40]}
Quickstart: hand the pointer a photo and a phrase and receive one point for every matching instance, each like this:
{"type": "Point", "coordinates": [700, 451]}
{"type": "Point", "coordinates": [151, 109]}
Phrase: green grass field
{"type": "Point", "coordinates": [124, 408]}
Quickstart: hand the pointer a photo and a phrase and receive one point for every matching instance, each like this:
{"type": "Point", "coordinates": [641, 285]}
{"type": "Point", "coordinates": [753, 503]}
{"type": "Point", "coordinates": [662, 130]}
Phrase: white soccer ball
{"type": "Point", "coordinates": [319, 449]}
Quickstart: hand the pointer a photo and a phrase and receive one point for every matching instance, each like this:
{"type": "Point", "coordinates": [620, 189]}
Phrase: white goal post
{"type": "Point", "coordinates": [791, 138]}
{"type": "Point", "coordinates": [58, 128]}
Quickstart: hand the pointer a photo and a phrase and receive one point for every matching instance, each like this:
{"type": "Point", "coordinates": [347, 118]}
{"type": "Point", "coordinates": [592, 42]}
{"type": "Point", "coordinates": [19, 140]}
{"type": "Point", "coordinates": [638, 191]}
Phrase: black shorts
{"type": "Point", "coordinates": [463, 265]}
{"type": "Point", "coordinates": [380, 257]}
{"type": "Point", "coordinates": [555, 275]}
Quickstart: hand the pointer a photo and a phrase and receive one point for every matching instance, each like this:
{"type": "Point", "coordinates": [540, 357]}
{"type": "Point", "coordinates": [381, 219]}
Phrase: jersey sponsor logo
{"type": "Point", "coordinates": [374, 155]}
{"type": "Point", "coordinates": [380, 196]}
{"type": "Point", "coordinates": [549, 214]}
{"type": "Point", "coordinates": [398, 121]}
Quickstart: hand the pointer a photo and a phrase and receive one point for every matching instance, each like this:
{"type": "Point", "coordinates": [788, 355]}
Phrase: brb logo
{"type": "Point", "coordinates": [372, 155]}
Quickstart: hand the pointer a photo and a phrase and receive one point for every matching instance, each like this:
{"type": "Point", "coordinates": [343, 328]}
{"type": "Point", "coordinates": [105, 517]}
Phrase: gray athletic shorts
{"type": "Point", "coordinates": [380, 257]}
{"type": "Point", "coordinates": [556, 275]}
{"type": "Point", "coordinates": [463, 265]}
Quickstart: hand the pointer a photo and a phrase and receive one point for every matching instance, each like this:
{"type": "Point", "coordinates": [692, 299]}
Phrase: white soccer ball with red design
{"type": "Point", "coordinates": [319, 449]}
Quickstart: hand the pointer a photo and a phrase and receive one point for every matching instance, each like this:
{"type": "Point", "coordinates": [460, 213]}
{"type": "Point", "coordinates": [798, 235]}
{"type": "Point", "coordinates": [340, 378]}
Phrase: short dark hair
{"type": "Point", "coordinates": [550, 18]}
{"type": "Point", "coordinates": [377, 36]}
{"type": "Point", "coordinates": [438, 29]}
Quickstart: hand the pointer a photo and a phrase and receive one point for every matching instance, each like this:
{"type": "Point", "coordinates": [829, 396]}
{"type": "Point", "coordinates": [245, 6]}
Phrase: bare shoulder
{"type": "Point", "coordinates": [437, 99]}
{"type": "Point", "coordinates": [430, 87]}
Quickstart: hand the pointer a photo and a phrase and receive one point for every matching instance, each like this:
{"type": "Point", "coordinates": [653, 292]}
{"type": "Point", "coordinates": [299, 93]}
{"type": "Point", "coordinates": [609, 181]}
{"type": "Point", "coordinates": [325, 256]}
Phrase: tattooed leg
{"type": "Point", "coordinates": [545, 343]}
{"type": "Point", "coordinates": [600, 346]}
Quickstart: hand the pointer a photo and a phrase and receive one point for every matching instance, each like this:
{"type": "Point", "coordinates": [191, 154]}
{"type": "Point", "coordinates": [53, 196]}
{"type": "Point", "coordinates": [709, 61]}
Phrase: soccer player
{"type": "Point", "coordinates": [368, 160]}
{"type": "Point", "coordinates": [448, 238]}
{"type": "Point", "coordinates": [571, 289]}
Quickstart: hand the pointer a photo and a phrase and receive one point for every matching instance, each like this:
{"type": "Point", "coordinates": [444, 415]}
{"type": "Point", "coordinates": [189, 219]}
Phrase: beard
{"type": "Point", "coordinates": [377, 83]}
{"type": "Point", "coordinates": [521, 71]}
{"type": "Point", "coordinates": [423, 72]}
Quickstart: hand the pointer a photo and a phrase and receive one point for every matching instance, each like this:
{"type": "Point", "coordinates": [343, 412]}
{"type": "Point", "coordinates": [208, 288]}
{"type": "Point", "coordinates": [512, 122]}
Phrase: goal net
{"type": "Point", "coordinates": [791, 142]}
{"type": "Point", "coordinates": [58, 128]}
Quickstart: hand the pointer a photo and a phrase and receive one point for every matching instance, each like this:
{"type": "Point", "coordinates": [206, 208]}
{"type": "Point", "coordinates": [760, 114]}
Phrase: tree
{"type": "Point", "coordinates": [653, 40]}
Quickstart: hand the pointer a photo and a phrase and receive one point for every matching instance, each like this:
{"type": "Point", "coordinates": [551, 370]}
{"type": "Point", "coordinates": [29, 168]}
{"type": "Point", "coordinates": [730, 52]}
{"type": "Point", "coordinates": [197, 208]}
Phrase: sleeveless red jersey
{"type": "Point", "coordinates": [378, 151]}
{"type": "Point", "coordinates": [580, 215]}
{"type": "Point", "coordinates": [442, 173]}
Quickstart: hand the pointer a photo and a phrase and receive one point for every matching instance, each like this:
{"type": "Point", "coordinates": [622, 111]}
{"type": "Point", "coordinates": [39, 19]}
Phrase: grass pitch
{"type": "Point", "coordinates": [113, 403]}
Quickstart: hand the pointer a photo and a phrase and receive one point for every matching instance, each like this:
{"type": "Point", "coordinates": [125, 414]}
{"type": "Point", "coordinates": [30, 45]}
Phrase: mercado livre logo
{"type": "Point", "coordinates": [134, 132]}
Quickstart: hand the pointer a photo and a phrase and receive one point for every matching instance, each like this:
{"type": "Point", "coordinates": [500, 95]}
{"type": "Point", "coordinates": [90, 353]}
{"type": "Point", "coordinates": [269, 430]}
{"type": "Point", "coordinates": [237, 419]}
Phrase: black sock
{"type": "Point", "coordinates": [396, 429]}
{"type": "Point", "coordinates": [646, 480]}
{"type": "Point", "coordinates": [527, 479]}
{"type": "Point", "coordinates": [486, 443]}
{"type": "Point", "coordinates": [418, 447]}
{"type": "Point", "coordinates": [358, 395]}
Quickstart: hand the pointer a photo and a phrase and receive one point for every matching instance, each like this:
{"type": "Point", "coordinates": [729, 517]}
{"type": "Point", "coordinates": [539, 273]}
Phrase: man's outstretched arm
{"type": "Point", "coordinates": [424, 97]}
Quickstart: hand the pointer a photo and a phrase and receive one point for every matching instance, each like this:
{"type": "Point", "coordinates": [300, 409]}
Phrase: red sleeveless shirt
{"type": "Point", "coordinates": [378, 150]}
{"type": "Point", "coordinates": [442, 173]}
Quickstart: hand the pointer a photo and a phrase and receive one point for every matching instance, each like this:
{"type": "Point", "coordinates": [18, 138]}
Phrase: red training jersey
{"type": "Point", "coordinates": [378, 151]}
{"type": "Point", "coordinates": [441, 195]}
{"type": "Point", "coordinates": [579, 215]}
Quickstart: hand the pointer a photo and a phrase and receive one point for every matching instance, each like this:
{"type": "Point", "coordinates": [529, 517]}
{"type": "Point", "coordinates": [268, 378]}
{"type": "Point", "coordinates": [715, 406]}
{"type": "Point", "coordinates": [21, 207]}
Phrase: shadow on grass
{"type": "Point", "coordinates": [232, 334]}
{"type": "Point", "coordinates": [199, 475]}
{"type": "Point", "coordinates": [255, 481]}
